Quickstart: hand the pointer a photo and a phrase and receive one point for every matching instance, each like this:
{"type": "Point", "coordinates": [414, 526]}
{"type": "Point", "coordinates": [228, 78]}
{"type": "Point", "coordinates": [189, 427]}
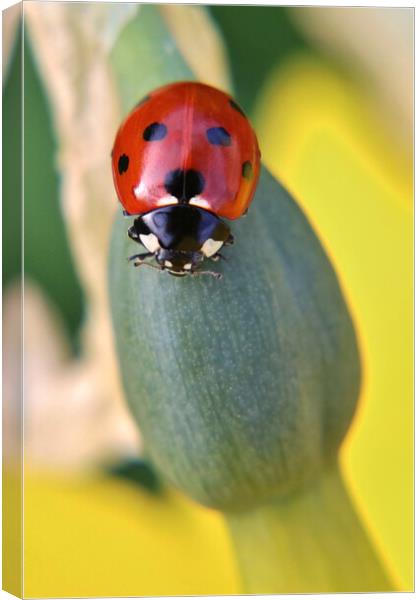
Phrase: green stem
{"type": "Point", "coordinates": [311, 541]}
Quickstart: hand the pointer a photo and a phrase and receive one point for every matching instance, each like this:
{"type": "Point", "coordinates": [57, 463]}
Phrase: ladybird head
{"type": "Point", "coordinates": [178, 262]}
{"type": "Point", "coordinates": [180, 237]}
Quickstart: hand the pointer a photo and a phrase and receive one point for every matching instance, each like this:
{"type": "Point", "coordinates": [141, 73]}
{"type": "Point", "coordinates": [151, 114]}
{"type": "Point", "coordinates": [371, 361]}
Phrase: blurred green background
{"type": "Point", "coordinates": [47, 254]}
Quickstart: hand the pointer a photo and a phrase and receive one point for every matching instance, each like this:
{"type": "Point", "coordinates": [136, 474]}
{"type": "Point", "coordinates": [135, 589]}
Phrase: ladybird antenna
{"type": "Point", "coordinates": [146, 264]}
{"type": "Point", "coordinates": [140, 257]}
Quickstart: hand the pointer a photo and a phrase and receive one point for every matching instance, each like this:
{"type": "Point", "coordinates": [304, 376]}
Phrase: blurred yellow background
{"type": "Point", "coordinates": [323, 136]}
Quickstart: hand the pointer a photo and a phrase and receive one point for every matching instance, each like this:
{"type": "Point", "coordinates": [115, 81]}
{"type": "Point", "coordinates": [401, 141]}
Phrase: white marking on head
{"type": "Point", "coordinates": [187, 266]}
{"type": "Point", "coordinates": [199, 201]}
{"type": "Point", "coordinates": [168, 263]}
{"type": "Point", "coordinates": [150, 242]}
{"type": "Point", "coordinates": [210, 247]}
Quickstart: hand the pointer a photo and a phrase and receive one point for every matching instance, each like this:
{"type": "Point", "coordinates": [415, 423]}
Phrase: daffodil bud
{"type": "Point", "coordinates": [243, 387]}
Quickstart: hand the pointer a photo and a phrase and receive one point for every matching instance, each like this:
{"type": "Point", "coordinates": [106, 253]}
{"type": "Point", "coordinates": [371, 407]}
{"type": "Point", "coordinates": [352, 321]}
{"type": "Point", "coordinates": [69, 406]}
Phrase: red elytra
{"type": "Point", "coordinates": [186, 143]}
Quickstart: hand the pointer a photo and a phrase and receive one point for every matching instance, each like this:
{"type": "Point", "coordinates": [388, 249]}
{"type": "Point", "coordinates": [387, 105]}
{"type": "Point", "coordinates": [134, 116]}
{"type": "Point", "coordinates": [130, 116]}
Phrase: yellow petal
{"type": "Point", "coordinates": [101, 537]}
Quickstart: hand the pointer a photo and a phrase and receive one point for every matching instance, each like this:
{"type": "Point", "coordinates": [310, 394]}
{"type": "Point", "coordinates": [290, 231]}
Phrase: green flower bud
{"type": "Point", "coordinates": [243, 387]}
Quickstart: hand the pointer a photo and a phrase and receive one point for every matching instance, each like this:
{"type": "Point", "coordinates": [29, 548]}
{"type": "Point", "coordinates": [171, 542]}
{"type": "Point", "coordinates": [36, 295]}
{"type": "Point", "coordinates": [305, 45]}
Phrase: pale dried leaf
{"type": "Point", "coordinates": [199, 42]}
{"type": "Point", "coordinates": [71, 42]}
{"type": "Point", "coordinates": [69, 421]}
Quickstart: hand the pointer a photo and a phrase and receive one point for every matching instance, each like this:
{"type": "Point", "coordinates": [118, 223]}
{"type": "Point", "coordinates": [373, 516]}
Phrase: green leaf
{"type": "Point", "coordinates": [243, 387]}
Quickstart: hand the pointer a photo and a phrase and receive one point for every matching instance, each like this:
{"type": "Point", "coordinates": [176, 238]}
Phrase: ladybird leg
{"type": "Point", "coordinates": [217, 257]}
{"type": "Point", "coordinates": [212, 273]}
{"type": "Point", "coordinates": [230, 240]}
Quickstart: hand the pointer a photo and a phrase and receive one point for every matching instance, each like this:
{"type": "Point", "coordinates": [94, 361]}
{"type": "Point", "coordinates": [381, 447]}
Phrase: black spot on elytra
{"type": "Point", "coordinates": [247, 170]}
{"type": "Point", "coordinates": [237, 107]}
{"type": "Point", "coordinates": [123, 163]}
{"type": "Point", "coordinates": [218, 136]}
{"type": "Point", "coordinates": [184, 185]}
{"type": "Point", "coordinates": [155, 132]}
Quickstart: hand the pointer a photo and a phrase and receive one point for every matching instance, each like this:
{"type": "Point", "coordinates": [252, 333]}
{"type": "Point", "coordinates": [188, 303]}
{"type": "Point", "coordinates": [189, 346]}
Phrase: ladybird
{"type": "Point", "coordinates": [184, 159]}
